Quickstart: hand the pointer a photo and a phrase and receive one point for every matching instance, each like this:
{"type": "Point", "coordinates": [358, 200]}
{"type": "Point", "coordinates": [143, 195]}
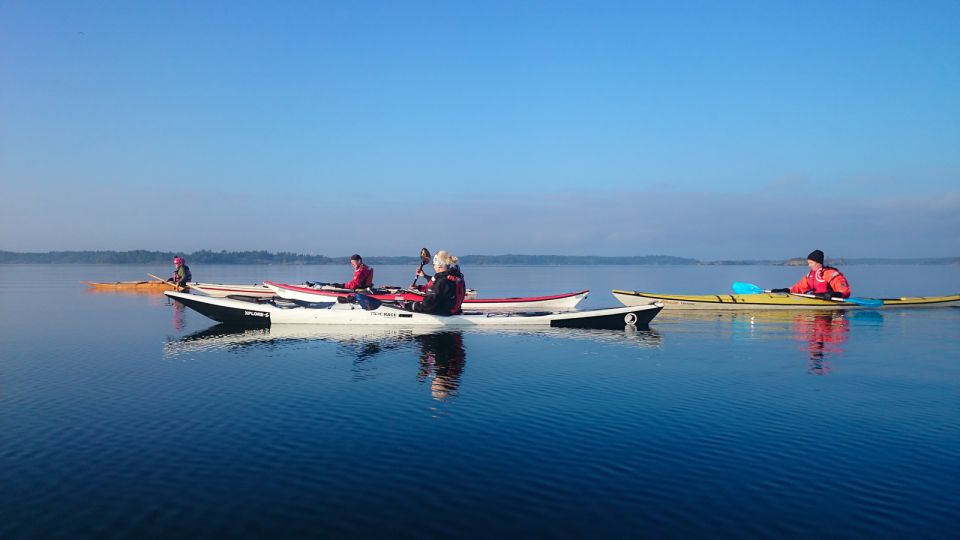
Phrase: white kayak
{"type": "Point", "coordinates": [272, 312]}
{"type": "Point", "coordinates": [555, 302]}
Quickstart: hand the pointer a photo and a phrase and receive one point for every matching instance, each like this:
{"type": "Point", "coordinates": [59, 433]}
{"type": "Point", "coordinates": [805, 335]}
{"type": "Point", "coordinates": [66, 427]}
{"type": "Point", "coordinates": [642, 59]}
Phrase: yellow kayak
{"type": "Point", "coordinates": [763, 301]}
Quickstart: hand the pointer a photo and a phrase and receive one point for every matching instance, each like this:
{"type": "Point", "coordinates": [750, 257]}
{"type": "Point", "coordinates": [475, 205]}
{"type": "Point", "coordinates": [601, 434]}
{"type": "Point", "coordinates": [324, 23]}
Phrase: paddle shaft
{"type": "Point", "coordinates": [749, 288]}
{"type": "Point", "coordinates": [184, 286]}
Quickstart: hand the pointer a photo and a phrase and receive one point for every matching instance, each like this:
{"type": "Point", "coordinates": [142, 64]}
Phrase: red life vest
{"type": "Point", "coordinates": [822, 280]}
{"type": "Point", "coordinates": [460, 294]}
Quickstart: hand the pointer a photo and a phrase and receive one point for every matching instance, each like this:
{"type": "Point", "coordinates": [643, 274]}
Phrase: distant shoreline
{"type": "Point", "coordinates": [293, 259]}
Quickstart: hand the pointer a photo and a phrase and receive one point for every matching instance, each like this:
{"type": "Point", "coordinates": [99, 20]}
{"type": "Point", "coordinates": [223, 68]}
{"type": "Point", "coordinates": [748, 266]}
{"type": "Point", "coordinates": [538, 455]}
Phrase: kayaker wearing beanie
{"type": "Point", "coordinates": [824, 281]}
{"type": "Point", "coordinates": [445, 290]}
{"type": "Point", "coordinates": [181, 273]}
{"type": "Point", "coordinates": [362, 275]}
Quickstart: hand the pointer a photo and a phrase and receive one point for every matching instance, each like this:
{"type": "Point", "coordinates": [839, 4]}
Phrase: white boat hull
{"type": "Point", "coordinates": [266, 313]}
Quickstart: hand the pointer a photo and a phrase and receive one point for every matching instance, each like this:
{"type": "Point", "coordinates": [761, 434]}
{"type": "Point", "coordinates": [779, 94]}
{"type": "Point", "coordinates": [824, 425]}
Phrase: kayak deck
{"type": "Point", "coordinates": [765, 301]}
{"type": "Point", "coordinates": [566, 301]}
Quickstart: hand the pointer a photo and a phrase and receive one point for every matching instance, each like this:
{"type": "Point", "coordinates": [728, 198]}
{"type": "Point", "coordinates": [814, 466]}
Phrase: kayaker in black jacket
{"type": "Point", "coordinates": [445, 289]}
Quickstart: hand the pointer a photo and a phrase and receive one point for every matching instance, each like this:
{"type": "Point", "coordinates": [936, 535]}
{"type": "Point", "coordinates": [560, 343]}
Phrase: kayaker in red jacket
{"type": "Point", "coordinates": [445, 290]}
{"type": "Point", "coordinates": [824, 281]}
{"type": "Point", "coordinates": [362, 275]}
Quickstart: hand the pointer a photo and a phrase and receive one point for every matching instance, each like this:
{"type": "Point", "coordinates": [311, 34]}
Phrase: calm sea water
{"type": "Point", "coordinates": [122, 415]}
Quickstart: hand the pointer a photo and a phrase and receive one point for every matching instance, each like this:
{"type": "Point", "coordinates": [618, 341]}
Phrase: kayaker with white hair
{"type": "Point", "coordinates": [445, 290]}
{"type": "Point", "coordinates": [824, 281]}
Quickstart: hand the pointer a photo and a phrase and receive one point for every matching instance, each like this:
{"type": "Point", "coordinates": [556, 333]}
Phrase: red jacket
{"type": "Point", "coordinates": [821, 280]}
{"type": "Point", "coordinates": [362, 278]}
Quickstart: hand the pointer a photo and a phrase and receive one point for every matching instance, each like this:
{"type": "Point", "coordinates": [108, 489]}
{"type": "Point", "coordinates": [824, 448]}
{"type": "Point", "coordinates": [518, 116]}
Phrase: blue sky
{"type": "Point", "coordinates": [701, 129]}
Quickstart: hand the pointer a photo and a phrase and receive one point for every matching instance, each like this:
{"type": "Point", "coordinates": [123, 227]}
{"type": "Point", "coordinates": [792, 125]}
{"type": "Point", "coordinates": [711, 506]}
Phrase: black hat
{"type": "Point", "coordinates": [356, 257]}
{"type": "Point", "coordinates": [816, 255]}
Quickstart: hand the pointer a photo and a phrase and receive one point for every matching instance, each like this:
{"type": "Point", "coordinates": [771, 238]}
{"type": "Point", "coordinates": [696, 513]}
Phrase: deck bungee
{"type": "Point", "coordinates": [271, 312]}
{"type": "Point", "coordinates": [567, 301]}
{"type": "Point", "coordinates": [764, 301]}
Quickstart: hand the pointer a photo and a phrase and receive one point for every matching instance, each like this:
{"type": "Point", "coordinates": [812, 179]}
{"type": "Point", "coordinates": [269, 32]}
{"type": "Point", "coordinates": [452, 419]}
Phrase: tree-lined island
{"type": "Point", "coordinates": [288, 258]}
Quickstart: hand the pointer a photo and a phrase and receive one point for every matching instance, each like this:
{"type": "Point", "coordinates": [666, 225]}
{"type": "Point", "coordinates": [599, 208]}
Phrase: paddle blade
{"type": "Point", "coordinates": [424, 255]}
{"type": "Point", "coordinates": [866, 302]}
{"type": "Point", "coordinates": [368, 302]}
{"type": "Point", "coordinates": [740, 287]}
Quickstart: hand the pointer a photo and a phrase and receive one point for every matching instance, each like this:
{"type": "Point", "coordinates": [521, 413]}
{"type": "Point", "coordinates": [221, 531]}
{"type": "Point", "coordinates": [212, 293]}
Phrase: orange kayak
{"type": "Point", "coordinates": [139, 285]}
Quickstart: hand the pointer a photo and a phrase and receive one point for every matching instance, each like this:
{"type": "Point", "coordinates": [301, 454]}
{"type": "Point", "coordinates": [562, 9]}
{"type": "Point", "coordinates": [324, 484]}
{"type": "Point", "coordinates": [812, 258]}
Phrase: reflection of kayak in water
{"type": "Point", "coordinates": [771, 301]}
{"type": "Point", "coordinates": [230, 337]}
{"type": "Point", "coordinates": [269, 313]}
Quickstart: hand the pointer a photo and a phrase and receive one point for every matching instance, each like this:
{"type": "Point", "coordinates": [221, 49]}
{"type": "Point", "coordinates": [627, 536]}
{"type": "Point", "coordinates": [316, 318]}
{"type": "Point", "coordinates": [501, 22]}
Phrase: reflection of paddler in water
{"type": "Point", "coordinates": [443, 357]}
{"type": "Point", "coordinates": [178, 316]}
{"type": "Point", "coordinates": [823, 332]}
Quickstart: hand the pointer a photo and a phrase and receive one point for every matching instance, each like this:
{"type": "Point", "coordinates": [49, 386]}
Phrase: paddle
{"type": "Point", "coordinates": [740, 287]}
{"type": "Point", "coordinates": [424, 259]}
{"type": "Point", "coordinates": [185, 286]}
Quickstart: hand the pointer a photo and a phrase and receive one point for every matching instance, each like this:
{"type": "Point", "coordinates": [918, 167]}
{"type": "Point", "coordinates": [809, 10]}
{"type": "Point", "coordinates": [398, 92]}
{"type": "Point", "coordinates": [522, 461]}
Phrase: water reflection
{"type": "Point", "coordinates": [442, 359]}
{"type": "Point", "coordinates": [178, 316]}
{"type": "Point", "coordinates": [822, 335]}
{"type": "Point", "coordinates": [441, 354]}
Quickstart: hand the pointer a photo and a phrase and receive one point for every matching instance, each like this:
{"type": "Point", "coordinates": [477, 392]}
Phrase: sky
{"type": "Point", "coordinates": [713, 130]}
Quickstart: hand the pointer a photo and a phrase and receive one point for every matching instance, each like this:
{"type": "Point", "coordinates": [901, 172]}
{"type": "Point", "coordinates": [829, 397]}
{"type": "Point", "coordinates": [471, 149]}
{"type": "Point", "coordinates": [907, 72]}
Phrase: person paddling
{"type": "Point", "coordinates": [362, 275]}
{"type": "Point", "coordinates": [445, 289]}
{"type": "Point", "coordinates": [824, 281]}
{"type": "Point", "coordinates": [181, 273]}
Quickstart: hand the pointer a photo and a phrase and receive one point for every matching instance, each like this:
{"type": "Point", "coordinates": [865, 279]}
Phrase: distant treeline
{"type": "Point", "coordinates": [265, 257]}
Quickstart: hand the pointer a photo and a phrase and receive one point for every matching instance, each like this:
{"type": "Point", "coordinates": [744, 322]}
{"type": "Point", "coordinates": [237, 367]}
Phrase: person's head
{"type": "Point", "coordinates": [356, 260]}
{"type": "Point", "coordinates": [178, 261]}
{"type": "Point", "coordinates": [815, 259]}
{"type": "Point", "coordinates": [444, 261]}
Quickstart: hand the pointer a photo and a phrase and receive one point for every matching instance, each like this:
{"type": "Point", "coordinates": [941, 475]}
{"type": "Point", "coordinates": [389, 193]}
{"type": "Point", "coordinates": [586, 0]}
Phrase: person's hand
{"type": "Point", "coordinates": [825, 296]}
{"type": "Point", "coordinates": [337, 285]}
{"type": "Point", "coordinates": [421, 273]}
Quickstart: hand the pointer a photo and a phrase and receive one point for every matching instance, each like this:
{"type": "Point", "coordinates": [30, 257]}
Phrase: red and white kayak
{"type": "Point", "coordinates": [556, 302]}
{"type": "Point", "coordinates": [223, 290]}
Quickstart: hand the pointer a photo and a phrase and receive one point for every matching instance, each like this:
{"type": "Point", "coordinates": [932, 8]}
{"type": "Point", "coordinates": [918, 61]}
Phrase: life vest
{"type": "Point", "coordinates": [362, 278]}
{"type": "Point", "coordinates": [187, 276]}
{"type": "Point", "coordinates": [823, 280]}
{"type": "Point", "coordinates": [461, 292]}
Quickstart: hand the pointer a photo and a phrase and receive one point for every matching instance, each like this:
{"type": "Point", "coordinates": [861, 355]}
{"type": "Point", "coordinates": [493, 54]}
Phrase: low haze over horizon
{"type": "Point", "coordinates": [730, 130]}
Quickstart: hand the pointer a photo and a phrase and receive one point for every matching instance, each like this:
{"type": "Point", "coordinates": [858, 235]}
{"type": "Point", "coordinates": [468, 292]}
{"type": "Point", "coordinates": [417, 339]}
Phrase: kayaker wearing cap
{"type": "Point", "coordinates": [362, 275]}
{"type": "Point", "coordinates": [445, 289]}
{"type": "Point", "coordinates": [824, 281]}
{"type": "Point", "coordinates": [181, 273]}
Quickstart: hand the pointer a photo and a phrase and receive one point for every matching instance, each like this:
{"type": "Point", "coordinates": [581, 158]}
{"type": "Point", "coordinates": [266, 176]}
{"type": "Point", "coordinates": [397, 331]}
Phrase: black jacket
{"type": "Point", "coordinates": [444, 294]}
